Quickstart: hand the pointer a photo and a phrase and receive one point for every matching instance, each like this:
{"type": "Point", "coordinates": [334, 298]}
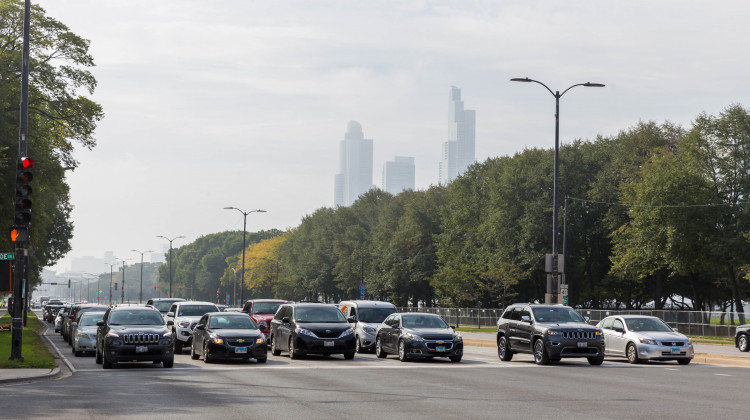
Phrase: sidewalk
{"type": "Point", "coordinates": [9, 376]}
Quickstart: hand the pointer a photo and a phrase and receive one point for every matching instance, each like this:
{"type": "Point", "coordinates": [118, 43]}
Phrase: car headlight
{"type": "Point", "coordinates": [167, 334]}
{"type": "Point", "coordinates": [217, 340]}
{"type": "Point", "coordinates": [184, 324]}
{"type": "Point", "coordinates": [112, 334]}
{"type": "Point", "coordinates": [260, 340]}
{"type": "Point", "coordinates": [346, 333]}
{"type": "Point", "coordinates": [645, 340]}
{"type": "Point", "coordinates": [414, 337]}
{"type": "Point", "coordinates": [599, 333]}
{"type": "Point", "coordinates": [305, 331]}
{"type": "Point", "coordinates": [369, 329]}
{"type": "Point", "coordinates": [82, 335]}
{"type": "Point", "coordinates": [458, 337]}
{"type": "Point", "coordinates": [553, 332]}
{"type": "Point", "coordinates": [690, 341]}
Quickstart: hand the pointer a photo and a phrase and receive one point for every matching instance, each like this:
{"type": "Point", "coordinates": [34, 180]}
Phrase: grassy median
{"type": "Point", "coordinates": [33, 349]}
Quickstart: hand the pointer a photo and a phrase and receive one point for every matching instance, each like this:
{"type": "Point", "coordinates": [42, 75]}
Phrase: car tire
{"type": "Point", "coordinates": [98, 356]}
{"type": "Point", "coordinates": [379, 350]}
{"type": "Point", "coordinates": [684, 361]}
{"type": "Point", "coordinates": [455, 359]}
{"type": "Point", "coordinates": [596, 361]}
{"type": "Point", "coordinates": [357, 346]}
{"type": "Point", "coordinates": [168, 363]}
{"type": "Point", "coordinates": [631, 352]}
{"type": "Point", "coordinates": [742, 343]}
{"type": "Point", "coordinates": [206, 357]}
{"type": "Point", "coordinates": [261, 359]}
{"type": "Point", "coordinates": [106, 363]}
{"type": "Point", "coordinates": [177, 346]}
{"type": "Point", "coordinates": [540, 353]}
{"type": "Point", "coordinates": [274, 349]}
{"type": "Point", "coordinates": [402, 351]}
{"type": "Point", "coordinates": [503, 349]}
{"type": "Point", "coordinates": [348, 356]}
{"type": "Point", "coordinates": [293, 353]}
{"type": "Point", "coordinates": [193, 354]}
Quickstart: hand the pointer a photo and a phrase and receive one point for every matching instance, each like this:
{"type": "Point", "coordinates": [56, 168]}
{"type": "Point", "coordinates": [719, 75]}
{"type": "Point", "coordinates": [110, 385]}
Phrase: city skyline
{"type": "Point", "coordinates": [355, 166]}
{"type": "Point", "coordinates": [458, 152]}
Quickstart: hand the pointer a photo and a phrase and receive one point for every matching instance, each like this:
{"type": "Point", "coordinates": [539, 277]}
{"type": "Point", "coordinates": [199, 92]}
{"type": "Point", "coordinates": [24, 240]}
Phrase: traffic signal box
{"type": "Point", "coordinates": [19, 232]}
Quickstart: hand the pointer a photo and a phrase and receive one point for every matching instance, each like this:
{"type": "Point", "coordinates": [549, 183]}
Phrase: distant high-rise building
{"type": "Point", "coordinates": [458, 151]}
{"type": "Point", "coordinates": [398, 175]}
{"type": "Point", "coordinates": [355, 166]}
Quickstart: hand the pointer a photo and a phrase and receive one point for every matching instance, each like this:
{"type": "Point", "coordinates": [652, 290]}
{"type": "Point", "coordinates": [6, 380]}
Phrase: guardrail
{"type": "Point", "coordinates": [696, 323]}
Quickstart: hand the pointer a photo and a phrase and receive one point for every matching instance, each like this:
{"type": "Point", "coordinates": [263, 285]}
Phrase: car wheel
{"type": "Point", "coordinates": [177, 346]}
{"type": "Point", "coordinates": [348, 356]}
{"type": "Point", "coordinates": [293, 353]}
{"type": "Point", "coordinates": [503, 350]}
{"type": "Point", "coordinates": [632, 353]}
{"type": "Point", "coordinates": [274, 350]}
{"type": "Point", "coordinates": [455, 359]}
{"type": "Point", "coordinates": [357, 346]}
{"type": "Point", "coordinates": [106, 363]}
{"type": "Point", "coordinates": [684, 361]}
{"type": "Point", "coordinates": [261, 359]}
{"type": "Point", "coordinates": [540, 353]}
{"type": "Point", "coordinates": [596, 361]}
{"type": "Point", "coordinates": [98, 356]}
{"type": "Point", "coordinates": [379, 350]}
{"type": "Point", "coordinates": [193, 354]}
{"type": "Point", "coordinates": [206, 357]}
{"type": "Point", "coordinates": [402, 351]}
{"type": "Point", "coordinates": [742, 343]}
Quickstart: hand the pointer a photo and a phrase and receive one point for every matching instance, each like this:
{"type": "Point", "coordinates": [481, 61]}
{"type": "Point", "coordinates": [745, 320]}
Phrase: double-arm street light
{"type": "Point", "coordinates": [122, 286]}
{"type": "Point", "coordinates": [140, 296]}
{"type": "Point", "coordinates": [550, 292]}
{"type": "Point", "coordinates": [110, 282]}
{"type": "Point", "coordinates": [244, 231]}
{"type": "Point", "coordinates": [170, 259]}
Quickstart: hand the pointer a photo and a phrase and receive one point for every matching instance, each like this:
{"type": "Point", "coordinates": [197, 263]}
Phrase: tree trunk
{"type": "Point", "coordinates": [736, 295]}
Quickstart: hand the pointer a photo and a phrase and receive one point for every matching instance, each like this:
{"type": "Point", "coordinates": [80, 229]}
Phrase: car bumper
{"type": "Point", "coordinates": [367, 341]}
{"type": "Point", "coordinates": [185, 335]}
{"type": "Point", "coordinates": [85, 344]}
{"type": "Point", "coordinates": [434, 349]}
{"type": "Point", "coordinates": [139, 353]}
{"type": "Point", "coordinates": [659, 352]}
{"type": "Point", "coordinates": [557, 349]}
{"type": "Point", "coordinates": [226, 351]}
{"type": "Point", "coordinates": [305, 344]}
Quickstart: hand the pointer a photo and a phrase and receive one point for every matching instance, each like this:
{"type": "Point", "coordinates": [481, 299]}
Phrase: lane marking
{"type": "Point", "coordinates": [721, 374]}
{"type": "Point", "coordinates": [65, 359]}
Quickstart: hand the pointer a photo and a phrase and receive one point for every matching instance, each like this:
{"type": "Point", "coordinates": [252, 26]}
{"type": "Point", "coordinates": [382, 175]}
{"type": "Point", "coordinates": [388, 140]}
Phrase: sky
{"type": "Point", "coordinates": [210, 104]}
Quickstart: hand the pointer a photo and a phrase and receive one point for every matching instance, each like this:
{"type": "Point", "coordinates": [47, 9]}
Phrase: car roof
{"type": "Point", "coordinates": [367, 304]}
{"type": "Point", "coordinates": [167, 300]}
{"type": "Point", "coordinates": [634, 316]}
{"type": "Point", "coordinates": [266, 300]}
{"type": "Point", "coordinates": [130, 308]}
{"type": "Point", "coordinates": [228, 313]}
{"type": "Point", "coordinates": [417, 313]}
{"type": "Point", "coordinates": [191, 302]}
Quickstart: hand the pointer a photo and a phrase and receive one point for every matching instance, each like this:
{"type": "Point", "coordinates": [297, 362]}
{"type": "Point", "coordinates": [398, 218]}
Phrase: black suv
{"type": "Point", "coordinates": [302, 328]}
{"type": "Point", "coordinates": [549, 332]}
{"type": "Point", "coordinates": [133, 334]}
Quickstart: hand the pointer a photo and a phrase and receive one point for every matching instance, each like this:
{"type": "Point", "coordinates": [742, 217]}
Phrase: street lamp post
{"type": "Point", "coordinates": [170, 259]}
{"type": "Point", "coordinates": [552, 291]}
{"type": "Point", "coordinates": [122, 286]}
{"type": "Point", "coordinates": [234, 292]}
{"type": "Point", "coordinates": [110, 282]}
{"type": "Point", "coordinates": [140, 297]}
{"type": "Point", "coordinates": [244, 232]}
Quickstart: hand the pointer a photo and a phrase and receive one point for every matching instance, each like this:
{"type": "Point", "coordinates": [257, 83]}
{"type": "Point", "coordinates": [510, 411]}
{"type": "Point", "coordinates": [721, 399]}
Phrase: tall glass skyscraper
{"type": "Point", "coordinates": [398, 175]}
{"type": "Point", "coordinates": [355, 166]}
{"type": "Point", "coordinates": [458, 151]}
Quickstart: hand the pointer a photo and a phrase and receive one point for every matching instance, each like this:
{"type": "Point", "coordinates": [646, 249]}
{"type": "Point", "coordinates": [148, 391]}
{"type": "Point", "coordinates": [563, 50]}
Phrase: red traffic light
{"type": "Point", "coordinates": [26, 163]}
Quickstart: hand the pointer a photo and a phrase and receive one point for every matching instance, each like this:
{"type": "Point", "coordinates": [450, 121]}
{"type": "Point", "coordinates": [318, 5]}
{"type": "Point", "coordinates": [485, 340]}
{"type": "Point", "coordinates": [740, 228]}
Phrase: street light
{"type": "Point", "coordinates": [110, 282]}
{"type": "Point", "coordinates": [244, 231]}
{"type": "Point", "coordinates": [548, 298]}
{"type": "Point", "coordinates": [140, 298]}
{"type": "Point", "coordinates": [122, 286]}
{"type": "Point", "coordinates": [170, 259]}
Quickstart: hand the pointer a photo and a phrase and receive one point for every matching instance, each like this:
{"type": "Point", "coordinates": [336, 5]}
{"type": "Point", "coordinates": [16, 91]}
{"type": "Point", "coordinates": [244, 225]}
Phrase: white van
{"type": "Point", "coordinates": [367, 314]}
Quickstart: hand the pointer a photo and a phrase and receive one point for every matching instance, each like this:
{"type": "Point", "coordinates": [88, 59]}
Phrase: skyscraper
{"type": "Point", "coordinates": [398, 175]}
{"type": "Point", "coordinates": [355, 166]}
{"type": "Point", "coordinates": [458, 151]}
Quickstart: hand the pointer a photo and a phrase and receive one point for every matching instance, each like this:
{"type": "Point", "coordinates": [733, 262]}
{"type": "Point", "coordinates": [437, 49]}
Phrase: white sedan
{"type": "Point", "coordinates": [641, 337]}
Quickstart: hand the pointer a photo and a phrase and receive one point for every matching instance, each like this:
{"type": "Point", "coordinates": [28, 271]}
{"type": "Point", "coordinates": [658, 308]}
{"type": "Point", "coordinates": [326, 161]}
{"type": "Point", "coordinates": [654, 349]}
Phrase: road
{"type": "Point", "coordinates": [330, 387]}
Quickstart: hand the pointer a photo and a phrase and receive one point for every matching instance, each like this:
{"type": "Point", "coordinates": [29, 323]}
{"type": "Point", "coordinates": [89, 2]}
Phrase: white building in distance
{"type": "Point", "coordinates": [355, 166]}
{"type": "Point", "coordinates": [458, 151]}
{"type": "Point", "coordinates": [398, 175]}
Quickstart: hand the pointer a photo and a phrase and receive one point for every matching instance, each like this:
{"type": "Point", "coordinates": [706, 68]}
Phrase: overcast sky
{"type": "Point", "coordinates": [243, 103]}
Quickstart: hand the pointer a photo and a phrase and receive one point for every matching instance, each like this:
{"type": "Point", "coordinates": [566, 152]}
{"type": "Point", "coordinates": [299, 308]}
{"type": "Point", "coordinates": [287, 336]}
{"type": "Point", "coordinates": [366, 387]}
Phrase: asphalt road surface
{"type": "Point", "coordinates": [481, 386]}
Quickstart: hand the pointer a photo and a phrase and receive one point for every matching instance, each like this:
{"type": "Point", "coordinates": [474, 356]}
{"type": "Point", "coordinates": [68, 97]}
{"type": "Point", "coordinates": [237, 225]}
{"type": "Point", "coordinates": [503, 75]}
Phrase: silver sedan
{"type": "Point", "coordinates": [640, 337]}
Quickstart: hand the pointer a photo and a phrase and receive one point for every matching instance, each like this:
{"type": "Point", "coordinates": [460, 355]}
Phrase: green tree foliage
{"type": "Point", "coordinates": [60, 117]}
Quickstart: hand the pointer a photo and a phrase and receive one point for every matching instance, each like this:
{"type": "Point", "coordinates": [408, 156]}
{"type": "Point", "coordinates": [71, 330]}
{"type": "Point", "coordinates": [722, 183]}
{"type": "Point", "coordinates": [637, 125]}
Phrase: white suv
{"type": "Point", "coordinates": [185, 315]}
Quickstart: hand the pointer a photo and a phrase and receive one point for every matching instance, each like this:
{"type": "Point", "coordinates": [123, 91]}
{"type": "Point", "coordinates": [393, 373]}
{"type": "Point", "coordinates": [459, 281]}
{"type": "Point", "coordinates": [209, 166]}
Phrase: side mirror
{"type": "Point", "coordinates": [674, 329]}
{"type": "Point", "coordinates": [454, 326]}
{"type": "Point", "coordinates": [585, 318]}
{"type": "Point", "coordinates": [526, 318]}
{"type": "Point", "coordinates": [351, 319]}
{"type": "Point", "coordinates": [285, 320]}
{"type": "Point", "coordinates": [396, 327]}
{"type": "Point", "coordinates": [99, 323]}
{"type": "Point", "coordinates": [619, 330]}
{"type": "Point", "coordinates": [170, 323]}
{"type": "Point", "coordinates": [73, 324]}
{"type": "Point", "coordinates": [262, 326]}
{"type": "Point", "coordinates": [170, 314]}
{"type": "Point", "coordinates": [201, 327]}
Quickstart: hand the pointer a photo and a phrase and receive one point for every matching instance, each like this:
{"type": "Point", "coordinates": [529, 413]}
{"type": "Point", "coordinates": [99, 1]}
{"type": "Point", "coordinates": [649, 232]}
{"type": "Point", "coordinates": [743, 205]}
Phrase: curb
{"type": "Point", "coordinates": [52, 374]}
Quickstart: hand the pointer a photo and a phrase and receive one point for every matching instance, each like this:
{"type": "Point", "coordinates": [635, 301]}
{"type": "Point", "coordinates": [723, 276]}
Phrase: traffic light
{"type": "Point", "coordinates": [19, 234]}
{"type": "Point", "coordinates": [23, 191]}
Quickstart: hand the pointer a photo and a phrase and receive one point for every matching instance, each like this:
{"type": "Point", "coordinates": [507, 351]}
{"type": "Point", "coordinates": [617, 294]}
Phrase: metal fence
{"type": "Point", "coordinates": [696, 323]}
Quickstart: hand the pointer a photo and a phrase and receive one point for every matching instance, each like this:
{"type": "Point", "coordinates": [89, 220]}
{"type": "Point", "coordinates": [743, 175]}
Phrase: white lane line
{"type": "Point", "coordinates": [721, 374]}
{"type": "Point", "coordinates": [65, 359]}
{"type": "Point", "coordinates": [671, 369]}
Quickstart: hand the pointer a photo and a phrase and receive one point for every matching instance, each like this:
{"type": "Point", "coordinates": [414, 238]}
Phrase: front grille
{"type": "Point", "coordinates": [324, 334]}
{"type": "Point", "coordinates": [140, 338]}
{"type": "Point", "coordinates": [669, 353]}
{"type": "Point", "coordinates": [432, 345]}
{"type": "Point", "coordinates": [247, 341]}
{"type": "Point", "coordinates": [438, 337]}
{"type": "Point", "coordinates": [579, 335]}
{"type": "Point", "coordinates": [673, 343]}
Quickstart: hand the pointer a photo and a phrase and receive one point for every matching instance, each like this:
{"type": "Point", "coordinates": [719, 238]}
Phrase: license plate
{"type": "Point", "coordinates": [141, 349]}
{"type": "Point", "coordinates": [328, 344]}
{"type": "Point", "coordinates": [440, 348]}
{"type": "Point", "coordinates": [675, 351]}
{"type": "Point", "coordinates": [582, 344]}
{"type": "Point", "coordinates": [240, 350]}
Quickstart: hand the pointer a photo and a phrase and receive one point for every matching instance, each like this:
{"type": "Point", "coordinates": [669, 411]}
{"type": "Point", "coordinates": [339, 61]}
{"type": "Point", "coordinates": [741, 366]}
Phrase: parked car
{"type": "Point", "coordinates": [133, 334]}
{"type": "Point", "coordinates": [262, 312]}
{"type": "Point", "coordinates": [311, 328]}
{"type": "Point", "coordinates": [367, 314]}
{"type": "Point", "coordinates": [84, 339]}
{"type": "Point", "coordinates": [417, 335]}
{"type": "Point", "coordinates": [228, 335]}
{"type": "Point", "coordinates": [184, 316]}
{"type": "Point", "coordinates": [741, 337]}
{"type": "Point", "coordinates": [62, 313]}
{"type": "Point", "coordinates": [163, 304]}
{"type": "Point", "coordinates": [549, 332]}
{"type": "Point", "coordinates": [641, 337]}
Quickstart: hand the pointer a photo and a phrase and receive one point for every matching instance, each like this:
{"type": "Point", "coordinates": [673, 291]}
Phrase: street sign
{"type": "Point", "coordinates": [564, 290]}
{"type": "Point", "coordinates": [6, 256]}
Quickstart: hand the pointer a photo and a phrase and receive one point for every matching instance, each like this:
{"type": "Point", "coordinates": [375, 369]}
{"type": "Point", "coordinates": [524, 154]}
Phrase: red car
{"type": "Point", "coordinates": [262, 312]}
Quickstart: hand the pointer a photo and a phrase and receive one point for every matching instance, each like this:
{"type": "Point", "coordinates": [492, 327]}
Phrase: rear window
{"type": "Point", "coordinates": [89, 319]}
{"type": "Point", "coordinates": [162, 306]}
{"type": "Point", "coordinates": [266, 308]}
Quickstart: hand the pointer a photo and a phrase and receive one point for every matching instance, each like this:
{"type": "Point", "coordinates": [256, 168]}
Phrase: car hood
{"type": "Point", "coordinates": [432, 333]}
{"type": "Point", "coordinates": [236, 333]}
{"type": "Point", "coordinates": [659, 335]}
{"type": "Point", "coordinates": [569, 325]}
{"type": "Point", "coordinates": [88, 329]}
{"type": "Point", "coordinates": [187, 318]}
{"type": "Point", "coordinates": [147, 329]}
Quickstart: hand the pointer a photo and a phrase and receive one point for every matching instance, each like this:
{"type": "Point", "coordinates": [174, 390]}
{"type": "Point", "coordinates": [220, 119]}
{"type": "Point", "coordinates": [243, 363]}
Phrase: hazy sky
{"type": "Point", "coordinates": [243, 103]}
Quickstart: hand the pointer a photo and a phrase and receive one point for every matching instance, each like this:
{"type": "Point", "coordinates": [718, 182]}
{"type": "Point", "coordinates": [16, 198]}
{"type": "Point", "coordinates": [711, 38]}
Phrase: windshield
{"type": "Point", "coordinates": [196, 310]}
{"type": "Point", "coordinates": [647, 324]}
{"type": "Point", "coordinates": [162, 306]}
{"type": "Point", "coordinates": [423, 321]}
{"type": "Point", "coordinates": [374, 315]}
{"type": "Point", "coordinates": [135, 318]}
{"type": "Point", "coordinates": [556, 315]}
{"type": "Point", "coordinates": [232, 322]}
{"type": "Point", "coordinates": [323, 314]}
{"type": "Point", "coordinates": [265, 308]}
{"type": "Point", "coordinates": [89, 319]}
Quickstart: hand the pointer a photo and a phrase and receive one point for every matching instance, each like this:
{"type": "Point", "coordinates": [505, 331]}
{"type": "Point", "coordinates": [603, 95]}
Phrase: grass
{"type": "Point", "coordinates": [475, 329]}
{"type": "Point", "coordinates": [34, 351]}
{"type": "Point", "coordinates": [712, 340]}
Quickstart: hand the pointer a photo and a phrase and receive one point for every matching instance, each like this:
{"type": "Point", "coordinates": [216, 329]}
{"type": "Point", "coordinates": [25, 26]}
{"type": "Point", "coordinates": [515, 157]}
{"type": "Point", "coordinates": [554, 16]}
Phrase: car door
{"type": "Point", "coordinates": [607, 331]}
{"type": "Point", "coordinates": [512, 328]}
{"type": "Point", "coordinates": [173, 310]}
{"type": "Point", "coordinates": [283, 331]}
{"type": "Point", "coordinates": [525, 328]}
{"type": "Point", "coordinates": [199, 336]}
{"type": "Point", "coordinates": [617, 339]}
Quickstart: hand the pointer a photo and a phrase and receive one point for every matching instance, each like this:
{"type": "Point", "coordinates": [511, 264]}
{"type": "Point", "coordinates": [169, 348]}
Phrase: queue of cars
{"type": "Point", "coordinates": [126, 333]}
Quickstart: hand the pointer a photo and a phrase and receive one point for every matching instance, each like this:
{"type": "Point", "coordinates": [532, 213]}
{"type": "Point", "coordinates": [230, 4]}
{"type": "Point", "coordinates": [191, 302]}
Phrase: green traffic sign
{"type": "Point", "coordinates": [4, 256]}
